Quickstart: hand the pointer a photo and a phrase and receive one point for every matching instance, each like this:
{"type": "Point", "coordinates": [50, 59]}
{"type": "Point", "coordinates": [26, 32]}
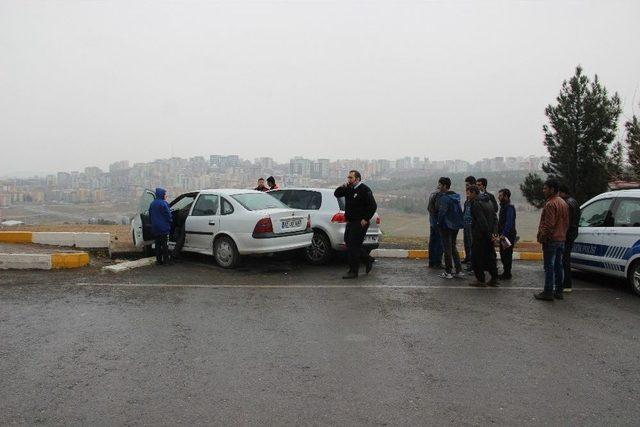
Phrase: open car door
{"type": "Point", "coordinates": [141, 223]}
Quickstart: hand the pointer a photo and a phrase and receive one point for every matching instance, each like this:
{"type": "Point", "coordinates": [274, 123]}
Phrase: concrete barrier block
{"type": "Point", "coordinates": [390, 253]}
{"type": "Point", "coordinates": [92, 240]}
{"type": "Point", "coordinates": [55, 238]}
{"type": "Point", "coordinates": [69, 260]}
{"type": "Point", "coordinates": [16, 236]}
{"type": "Point", "coordinates": [25, 261]}
{"type": "Point", "coordinates": [130, 265]}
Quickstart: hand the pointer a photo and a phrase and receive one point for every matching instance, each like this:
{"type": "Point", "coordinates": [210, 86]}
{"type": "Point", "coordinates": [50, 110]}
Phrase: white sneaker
{"type": "Point", "coordinates": [446, 275]}
{"type": "Point", "coordinates": [459, 274]}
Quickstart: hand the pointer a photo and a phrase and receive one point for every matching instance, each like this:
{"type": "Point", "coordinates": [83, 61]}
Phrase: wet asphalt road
{"type": "Point", "coordinates": [276, 342]}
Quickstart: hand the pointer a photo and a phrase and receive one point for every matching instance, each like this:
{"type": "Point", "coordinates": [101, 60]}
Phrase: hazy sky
{"type": "Point", "coordinates": [90, 82]}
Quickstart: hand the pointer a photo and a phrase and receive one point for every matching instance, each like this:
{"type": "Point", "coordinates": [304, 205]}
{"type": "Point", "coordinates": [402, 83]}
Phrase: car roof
{"type": "Point", "coordinates": [322, 190]}
{"type": "Point", "coordinates": [228, 191]}
{"type": "Point", "coordinates": [619, 193]}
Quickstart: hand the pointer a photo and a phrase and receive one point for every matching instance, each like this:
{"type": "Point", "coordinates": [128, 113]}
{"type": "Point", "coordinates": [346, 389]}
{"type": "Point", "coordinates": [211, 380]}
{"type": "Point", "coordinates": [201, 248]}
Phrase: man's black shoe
{"type": "Point", "coordinates": [544, 296]}
{"type": "Point", "coordinates": [504, 276]}
{"type": "Point", "coordinates": [493, 283]}
{"type": "Point", "coordinates": [369, 265]}
{"type": "Point", "coordinates": [350, 275]}
{"type": "Point", "coordinates": [558, 295]}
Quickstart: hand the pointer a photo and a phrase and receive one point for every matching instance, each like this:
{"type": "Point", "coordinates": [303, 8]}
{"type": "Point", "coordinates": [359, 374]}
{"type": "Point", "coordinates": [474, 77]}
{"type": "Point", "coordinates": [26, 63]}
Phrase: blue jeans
{"type": "Point", "coordinates": [553, 270]}
{"type": "Point", "coordinates": [435, 247]}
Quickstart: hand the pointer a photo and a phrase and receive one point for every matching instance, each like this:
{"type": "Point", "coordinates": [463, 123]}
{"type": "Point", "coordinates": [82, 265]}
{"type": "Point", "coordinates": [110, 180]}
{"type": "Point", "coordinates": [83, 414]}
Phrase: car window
{"type": "Point", "coordinates": [182, 202]}
{"type": "Point", "coordinates": [627, 213]}
{"type": "Point", "coordinates": [206, 205]}
{"type": "Point", "coordinates": [341, 203]}
{"type": "Point", "coordinates": [227, 207]}
{"type": "Point", "coordinates": [278, 194]}
{"type": "Point", "coordinates": [303, 199]}
{"type": "Point", "coordinates": [595, 214]}
{"type": "Point", "coordinates": [258, 201]}
{"type": "Point", "coordinates": [145, 201]}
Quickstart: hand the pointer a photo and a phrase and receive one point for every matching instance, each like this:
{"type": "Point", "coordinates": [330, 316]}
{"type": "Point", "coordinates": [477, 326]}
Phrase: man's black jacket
{"type": "Point", "coordinates": [483, 219]}
{"type": "Point", "coordinates": [359, 202]}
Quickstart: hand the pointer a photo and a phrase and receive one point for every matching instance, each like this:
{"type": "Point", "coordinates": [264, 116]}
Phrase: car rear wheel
{"type": "Point", "coordinates": [634, 277]}
{"type": "Point", "coordinates": [225, 252]}
{"type": "Point", "coordinates": [320, 251]}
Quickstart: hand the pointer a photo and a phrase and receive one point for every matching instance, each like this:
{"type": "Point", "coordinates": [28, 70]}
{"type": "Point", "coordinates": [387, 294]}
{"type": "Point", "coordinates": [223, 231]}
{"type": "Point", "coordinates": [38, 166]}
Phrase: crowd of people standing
{"type": "Point", "coordinates": [488, 224]}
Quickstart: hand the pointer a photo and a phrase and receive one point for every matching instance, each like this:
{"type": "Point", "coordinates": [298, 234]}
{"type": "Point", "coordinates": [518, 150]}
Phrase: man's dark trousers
{"type": "Point", "coordinates": [354, 234]}
{"type": "Point", "coordinates": [553, 270]}
{"type": "Point", "coordinates": [451, 256]}
{"type": "Point", "coordinates": [566, 263]}
{"type": "Point", "coordinates": [483, 256]}
{"type": "Point", "coordinates": [506, 256]}
{"type": "Point", "coordinates": [179, 236]}
{"type": "Point", "coordinates": [162, 249]}
{"type": "Point", "coordinates": [436, 248]}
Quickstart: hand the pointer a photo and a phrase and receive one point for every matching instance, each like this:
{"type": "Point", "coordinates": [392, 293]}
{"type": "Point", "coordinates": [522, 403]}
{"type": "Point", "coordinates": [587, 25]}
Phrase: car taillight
{"type": "Point", "coordinates": [339, 217]}
{"type": "Point", "coordinates": [263, 226]}
{"type": "Point", "coordinates": [378, 221]}
{"type": "Point", "coordinates": [308, 222]}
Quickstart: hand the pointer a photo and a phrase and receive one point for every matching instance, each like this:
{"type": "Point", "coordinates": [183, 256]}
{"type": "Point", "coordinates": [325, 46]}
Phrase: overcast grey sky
{"type": "Point", "coordinates": [90, 82]}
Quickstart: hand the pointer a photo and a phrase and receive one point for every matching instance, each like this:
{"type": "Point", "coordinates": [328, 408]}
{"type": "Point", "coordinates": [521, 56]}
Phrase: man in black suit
{"type": "Point", "coordinates": [360, 206]}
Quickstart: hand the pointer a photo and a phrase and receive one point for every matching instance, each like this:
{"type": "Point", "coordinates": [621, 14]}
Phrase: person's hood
{"type": "Point", "coordinates": [453, 195]}
{"type": "Point", "coordinates": [160, 192]}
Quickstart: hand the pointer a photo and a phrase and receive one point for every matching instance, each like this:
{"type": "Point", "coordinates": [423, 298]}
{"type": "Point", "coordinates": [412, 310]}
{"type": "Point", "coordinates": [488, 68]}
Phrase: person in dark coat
{"type": "Point", "coordinates": [485, 195]}
{"type": "Point", "coordinates": [450, 222]}
{"type": "Point", "coordinates": [360, 206]}
{"type": "Point", "coordinates": [436, 248]}
{"type": "Point", "coordinates": [483, 227]}
{"type": "Point", "coordinates": [507, 231]}
{"type": "Point", "coordinates": [572, 234]}
{"type": "Point", "coordinates": [160, 216]}
{"type": "Point", "coordinates": [466, 214]}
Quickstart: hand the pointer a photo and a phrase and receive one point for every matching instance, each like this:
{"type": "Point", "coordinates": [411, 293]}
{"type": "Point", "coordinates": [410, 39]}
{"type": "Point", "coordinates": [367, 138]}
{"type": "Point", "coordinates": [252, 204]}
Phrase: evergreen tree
{"type": "Point", "coordinates": [633, 145]}
{"type": "Point", "coordinates": [532, 190]}
{"type": "Point", "coordinates": [581, 128]}
{"type": "Point", "coordinates": [617, 163]}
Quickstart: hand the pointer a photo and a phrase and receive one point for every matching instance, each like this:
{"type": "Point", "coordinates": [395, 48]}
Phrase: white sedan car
{"type": "Point", "coordinates": [228, 223]}
{"type": "Point", "coordinates": [329, 222]}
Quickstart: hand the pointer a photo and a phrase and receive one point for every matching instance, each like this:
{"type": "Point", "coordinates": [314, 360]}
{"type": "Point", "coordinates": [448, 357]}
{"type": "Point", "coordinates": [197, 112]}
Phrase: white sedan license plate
{"type": "Point", "coordinates": [291, 223]}
{"type": "Point", "coordinates": [371, 239]}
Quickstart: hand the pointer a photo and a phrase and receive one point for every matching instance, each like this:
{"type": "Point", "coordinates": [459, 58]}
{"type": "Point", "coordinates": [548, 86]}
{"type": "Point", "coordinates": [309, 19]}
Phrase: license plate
{"type": "Point", "coordinates": [371, 239]}
{"type": "Point", "coordinates": [291, 223]}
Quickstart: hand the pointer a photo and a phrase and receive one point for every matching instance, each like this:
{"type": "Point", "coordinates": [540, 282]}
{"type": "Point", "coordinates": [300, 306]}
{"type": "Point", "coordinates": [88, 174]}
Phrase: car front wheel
{"type": "Point", "coordinates": [320, 251]}
{"type": "Point", "coordinates": [225, 252]}
{"type": "Point", "coordinates": [634, 277]}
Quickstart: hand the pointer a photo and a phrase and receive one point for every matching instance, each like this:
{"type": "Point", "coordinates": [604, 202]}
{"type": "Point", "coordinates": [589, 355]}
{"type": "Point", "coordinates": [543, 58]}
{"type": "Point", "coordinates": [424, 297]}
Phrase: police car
{"type": "Point", "coordinates": [608, 241]}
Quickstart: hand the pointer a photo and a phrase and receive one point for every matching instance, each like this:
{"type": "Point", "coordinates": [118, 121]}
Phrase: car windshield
{"type": "Point", "coordinates": [258, 201]}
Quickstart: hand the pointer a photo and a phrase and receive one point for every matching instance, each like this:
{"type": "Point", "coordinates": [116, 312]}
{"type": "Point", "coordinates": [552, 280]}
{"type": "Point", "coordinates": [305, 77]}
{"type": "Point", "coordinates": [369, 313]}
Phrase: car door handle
{"type": "Point", "coordinates": [212, 223]}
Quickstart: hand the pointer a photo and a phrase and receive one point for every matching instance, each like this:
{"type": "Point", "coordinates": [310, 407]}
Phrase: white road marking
{"type": "Point", "coordinates": [219, 286]}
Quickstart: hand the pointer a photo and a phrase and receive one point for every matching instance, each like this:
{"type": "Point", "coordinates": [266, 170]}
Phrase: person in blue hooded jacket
{"type": "Point", "coordinates": [450, 221]}
{"type": "Point", "coordinates": [160, 216]}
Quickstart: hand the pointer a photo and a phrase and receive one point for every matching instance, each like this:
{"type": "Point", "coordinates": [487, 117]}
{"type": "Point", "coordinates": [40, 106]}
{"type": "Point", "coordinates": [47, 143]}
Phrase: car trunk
{"type": "Point", "coordinates": [286, 220]}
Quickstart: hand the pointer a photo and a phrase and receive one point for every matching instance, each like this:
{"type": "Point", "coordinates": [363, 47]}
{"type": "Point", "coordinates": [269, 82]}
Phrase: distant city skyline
{"type": "Point", "coordinates": [106, 166]}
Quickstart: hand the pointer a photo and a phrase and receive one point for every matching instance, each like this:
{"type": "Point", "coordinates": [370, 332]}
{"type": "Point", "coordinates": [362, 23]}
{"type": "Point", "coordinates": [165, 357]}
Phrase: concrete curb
{"type": "Point", "coordinates": [423, 254]}
{"type": "Point", "coordinates": [72, 239]}
{"type": "Point", "coordinates": [43, 261]}
{"type": "Point", "coordinates": [129, 265]}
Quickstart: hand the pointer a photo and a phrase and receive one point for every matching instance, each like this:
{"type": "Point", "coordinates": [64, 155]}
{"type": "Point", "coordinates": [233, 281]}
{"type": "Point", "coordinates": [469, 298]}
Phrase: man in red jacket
{"type": "Point", "coordinates": [552, 233]}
